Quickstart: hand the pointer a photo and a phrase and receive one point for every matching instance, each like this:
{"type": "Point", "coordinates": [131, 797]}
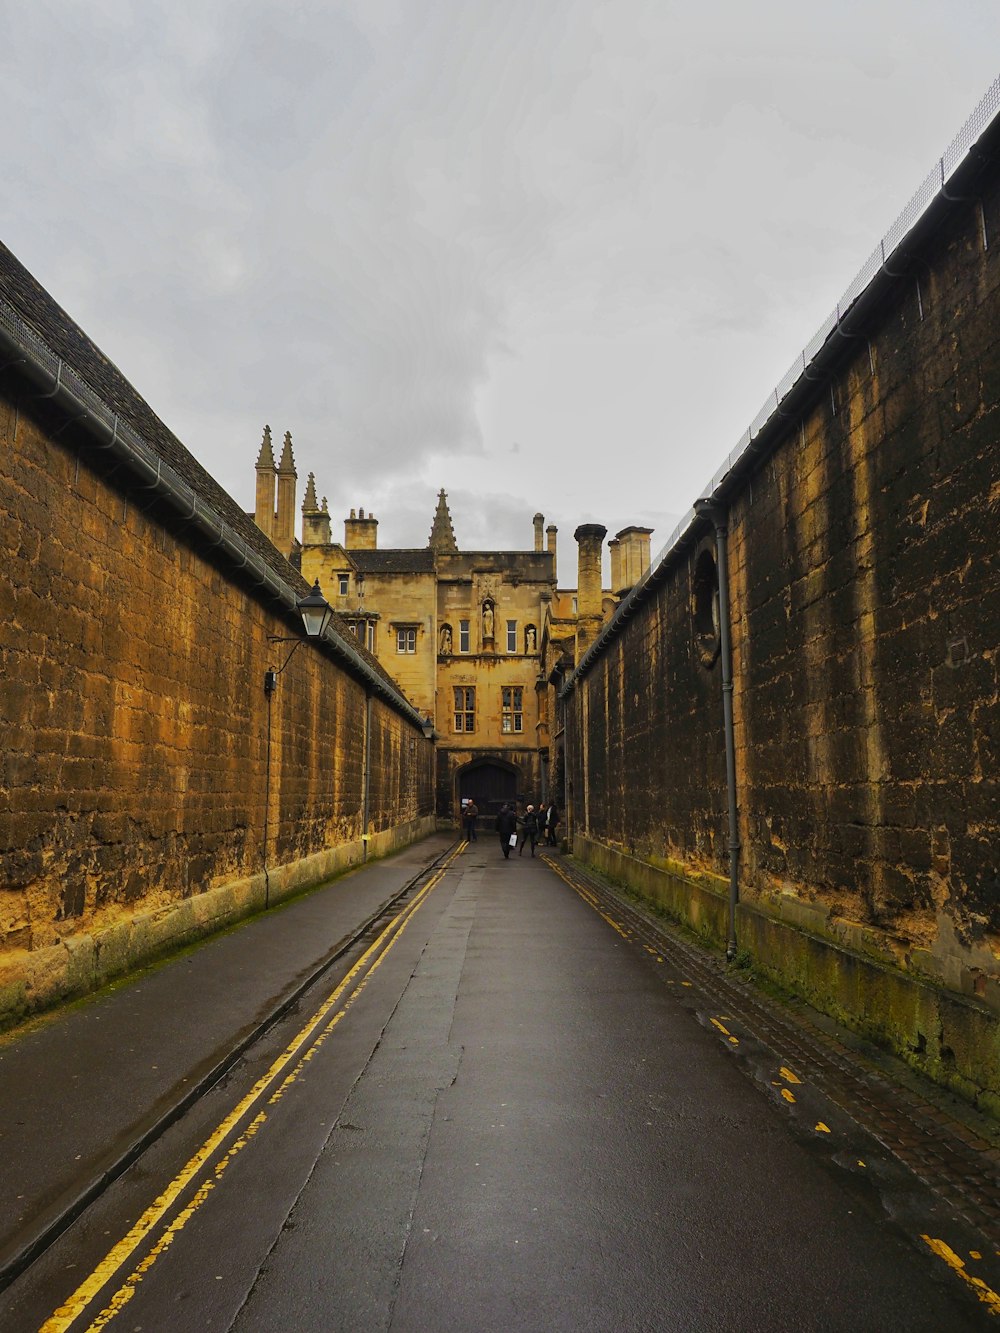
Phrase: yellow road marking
{"type": "Point", "coordinates": [821, 1128]}
{"type": "Point", "coordinates": [986, 1294]}
{"type": "Point", "coordinates": [788, 1076]}
{"type": "Point", "coordinates": [74, 1307]}
{"type": "Point", "coordinates": [788, 1096]}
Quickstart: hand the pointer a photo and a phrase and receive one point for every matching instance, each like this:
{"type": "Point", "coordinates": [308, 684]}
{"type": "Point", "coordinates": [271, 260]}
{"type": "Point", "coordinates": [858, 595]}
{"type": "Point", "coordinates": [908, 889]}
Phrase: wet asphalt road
{"type": "Point", "coordinates": [504, 1121]}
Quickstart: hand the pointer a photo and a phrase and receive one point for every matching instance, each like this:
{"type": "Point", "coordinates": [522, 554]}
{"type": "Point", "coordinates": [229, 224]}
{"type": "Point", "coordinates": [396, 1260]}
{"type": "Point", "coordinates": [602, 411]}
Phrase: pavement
{"type": "Point", "coordinates": [83, 1087]}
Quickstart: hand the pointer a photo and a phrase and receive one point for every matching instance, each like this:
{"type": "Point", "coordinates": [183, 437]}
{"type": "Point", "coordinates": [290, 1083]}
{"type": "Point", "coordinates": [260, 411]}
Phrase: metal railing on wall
{"type": "Point", "coordinates": [934, 185]}
{"type": "Point", "coordinates": [931, 186]}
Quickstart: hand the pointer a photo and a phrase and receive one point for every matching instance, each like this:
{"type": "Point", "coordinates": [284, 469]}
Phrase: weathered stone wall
{"type": "Point", "coordinates": [135, 774]}
{"type": "Point", "coordinates": [865, 623]}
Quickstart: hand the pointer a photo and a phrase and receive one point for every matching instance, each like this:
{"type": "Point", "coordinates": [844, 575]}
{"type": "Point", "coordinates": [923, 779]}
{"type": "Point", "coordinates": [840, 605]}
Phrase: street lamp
{"type": "Point", "coordinates": [316, 613]}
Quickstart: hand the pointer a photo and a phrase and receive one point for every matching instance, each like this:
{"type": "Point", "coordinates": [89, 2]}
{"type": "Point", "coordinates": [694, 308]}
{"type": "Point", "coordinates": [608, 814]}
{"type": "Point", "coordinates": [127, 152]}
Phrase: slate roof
{"type": "Point", "coordinates": [64, 336]}
{"type": "Point", "coordinates": [418, 560]}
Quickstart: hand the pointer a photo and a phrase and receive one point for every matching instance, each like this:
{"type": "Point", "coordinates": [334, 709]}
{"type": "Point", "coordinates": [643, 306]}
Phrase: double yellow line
{"type": "Point", "coordinates": [207, 1165]}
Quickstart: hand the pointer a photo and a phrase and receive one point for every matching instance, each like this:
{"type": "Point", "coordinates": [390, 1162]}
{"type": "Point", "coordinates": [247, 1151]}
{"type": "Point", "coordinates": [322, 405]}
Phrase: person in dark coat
{"type": "Point", "coordinates": [506, 825]}
{"type": "Point", "coordinates": [470, 813]}
{"type": "Point", "coordinates": [529, 830]}
{"type": "Point", "coordinates": [551, 820]}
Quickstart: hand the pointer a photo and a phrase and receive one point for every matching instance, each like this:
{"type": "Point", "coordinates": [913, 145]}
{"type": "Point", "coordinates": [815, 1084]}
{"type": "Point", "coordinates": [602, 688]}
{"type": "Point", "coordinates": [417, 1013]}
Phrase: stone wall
{"type": "Point", "coordinates": [138, 803]}
{"type": "Point", "coordinates": [865, 622]}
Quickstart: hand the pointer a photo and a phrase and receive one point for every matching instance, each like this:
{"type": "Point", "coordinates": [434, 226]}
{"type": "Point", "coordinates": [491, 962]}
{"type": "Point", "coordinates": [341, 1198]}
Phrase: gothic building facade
{"type": "Point", "coordinates": [476, 640]}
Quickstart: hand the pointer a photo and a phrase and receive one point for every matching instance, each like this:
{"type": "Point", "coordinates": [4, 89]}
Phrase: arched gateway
{"type": "Point", "coordinates": [490, 782]}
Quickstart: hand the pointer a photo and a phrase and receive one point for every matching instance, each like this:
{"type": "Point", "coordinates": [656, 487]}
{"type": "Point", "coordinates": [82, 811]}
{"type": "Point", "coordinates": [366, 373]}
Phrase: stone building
{"type": "Point", "coordinates": [471, 637]}
{"type": "Point", "coordinates": [169, 761]}
{"type": "Point", "coordinates": [807, 677]}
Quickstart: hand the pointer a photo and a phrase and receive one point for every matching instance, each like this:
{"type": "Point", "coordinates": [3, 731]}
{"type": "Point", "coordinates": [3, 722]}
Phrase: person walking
{"type": "Point", "coordinates": [529, 830]}
{"type": "Point", "coordinates": [506, 826]}
{"type": "Point", "coordinates": [469, 816]}
{"type": "Point", "coordinates": [551, 820]}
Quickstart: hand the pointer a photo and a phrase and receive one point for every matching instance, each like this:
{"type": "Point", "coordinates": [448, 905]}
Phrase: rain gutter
{"type": "Point", "coordinates": [22, 349]}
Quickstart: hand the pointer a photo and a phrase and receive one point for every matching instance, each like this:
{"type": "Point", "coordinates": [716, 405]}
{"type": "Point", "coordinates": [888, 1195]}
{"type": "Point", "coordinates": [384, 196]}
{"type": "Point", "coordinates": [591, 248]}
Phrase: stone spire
{"type": "Point", "coordinates": [315, 521]}
{"type": "Point", "coordinates": [442, 533]}
{"type": "Point", "coordinates": [266, 456]}
{"type": "Point", "coordinates": [287, 463]}
{"type": "Point", "coordinates": [284, 520]}
{"type": "Point", "coordinates": [266, 475]}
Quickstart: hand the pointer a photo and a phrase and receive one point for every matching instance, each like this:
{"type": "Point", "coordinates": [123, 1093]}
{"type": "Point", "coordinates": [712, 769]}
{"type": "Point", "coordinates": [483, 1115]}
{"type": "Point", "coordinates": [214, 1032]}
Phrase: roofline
{"type": "Point", "coordinates": [964, 159]}
{"type": "Point", "coordinates": [25, 351]}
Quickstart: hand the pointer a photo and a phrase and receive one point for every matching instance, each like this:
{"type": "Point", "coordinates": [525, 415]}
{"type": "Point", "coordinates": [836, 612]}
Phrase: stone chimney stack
{"type": "Point", "coordinates": [315, 519]}
{"type": "Point", "coordinates": [263, 514]}
{"type": "Point", "coordinates": [633, 559]}
{"type": "Point", "coordinates": [589, 611]}
{"type": "Point", "coordinates": [551, 532]}
{"type": "Point", "coordinates": [284, 522]}
{"type": "Point", "coordinates": [615, 547]}
{"type": "Point", "coordinates": [360, 533]}
{"type": "Point", "coordinates": [539, 537]}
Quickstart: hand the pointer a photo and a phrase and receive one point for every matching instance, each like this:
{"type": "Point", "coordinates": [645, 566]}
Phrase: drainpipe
{"type": "Point", "coordinates": [366, 785]}
{"type": "Point", "coordinates": [718, 517]}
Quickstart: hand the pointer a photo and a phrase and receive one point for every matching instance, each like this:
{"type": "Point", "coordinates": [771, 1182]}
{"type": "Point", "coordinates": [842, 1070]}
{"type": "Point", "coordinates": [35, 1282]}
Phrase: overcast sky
{"type": "Point", "coordinates": [548, 254]}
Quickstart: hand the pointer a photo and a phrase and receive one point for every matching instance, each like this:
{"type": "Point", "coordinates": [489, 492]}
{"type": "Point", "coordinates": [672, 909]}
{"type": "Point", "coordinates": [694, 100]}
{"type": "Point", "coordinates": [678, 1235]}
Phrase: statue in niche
{"type": "Point", "coordinates": [487, 622]}
{"type": "Point", "coordinates": [445, 639]}
{"type": "Point", "coordinates": [529, 639]}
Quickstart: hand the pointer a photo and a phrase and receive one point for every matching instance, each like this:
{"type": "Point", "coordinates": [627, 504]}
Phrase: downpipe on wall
{"type": "Point", "coordinates": [718, 516]}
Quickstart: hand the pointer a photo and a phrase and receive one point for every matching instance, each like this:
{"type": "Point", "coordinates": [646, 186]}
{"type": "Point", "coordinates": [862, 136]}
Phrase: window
{"type": "Point", "coordinates": [465, 707]}
{"type": "Point", "coordinates": [705, 608]}
{"type": "Point", "coordinates": [463, 636]}
{"type": "Point", "coordinates": [370, 636]}
{"type": "Point", "coordinates": [406, 640]}
{"type": "Point", "coordinates": [344, 582]}
{"type": "Point", "coordinates": [512, 636]}
{"type": "Point", "coordinates": [512, 719]}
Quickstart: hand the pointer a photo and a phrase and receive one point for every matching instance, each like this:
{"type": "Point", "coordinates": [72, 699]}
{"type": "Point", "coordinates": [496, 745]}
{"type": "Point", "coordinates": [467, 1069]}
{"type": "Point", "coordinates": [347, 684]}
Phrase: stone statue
{"type": "Point", "coordinates": [487, 621]}
{"type": "Point", "coordinates": [530, 639]}
{"type": "Point", "coordinates": [445, 638]}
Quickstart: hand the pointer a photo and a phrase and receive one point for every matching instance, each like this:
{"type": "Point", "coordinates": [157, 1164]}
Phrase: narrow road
{"type": "Point", "coordinates": [502, 1118]}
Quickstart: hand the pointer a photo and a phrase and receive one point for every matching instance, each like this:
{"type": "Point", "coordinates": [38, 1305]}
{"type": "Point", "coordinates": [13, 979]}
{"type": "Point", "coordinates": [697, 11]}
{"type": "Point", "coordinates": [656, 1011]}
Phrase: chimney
{"type": "Point", "coordinates": [539, 539]}
{"type": "Point", "coordinates": [361, 534]}
{"type": "Point", "coordinates": [284, 523]}
{"type": "Point", "coordinates": [315, 518]}
{"type": "Point", "coordinates": [615, 547]}
{"type": "Point", "coordinates": [263, 514]}
{"type": "Point", "coordinates": [589, 538]}
{"type": "Point", "coordinates": [551, 532]}
{"type": "Point", "coordinates": [633, 558]}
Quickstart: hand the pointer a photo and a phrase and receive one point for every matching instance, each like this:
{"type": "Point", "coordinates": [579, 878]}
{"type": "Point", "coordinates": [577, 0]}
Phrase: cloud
{"type": "Point", "coordinates": [547, 256]}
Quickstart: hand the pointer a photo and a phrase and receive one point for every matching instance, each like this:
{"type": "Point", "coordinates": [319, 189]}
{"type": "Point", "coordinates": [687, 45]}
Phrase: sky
{"type": "Point", "coordinates": [550, 255]}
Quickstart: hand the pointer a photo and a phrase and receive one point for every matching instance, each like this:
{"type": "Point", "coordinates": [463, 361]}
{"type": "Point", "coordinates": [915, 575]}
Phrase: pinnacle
{"type": "Point", "coordinates": [442, 536]}
{"type": "Point", "coordinates": [287, 463]}
{"type": "Point", "coordinates": [266, 456]}
{"type": "Point", "coordinates": [309, 505]}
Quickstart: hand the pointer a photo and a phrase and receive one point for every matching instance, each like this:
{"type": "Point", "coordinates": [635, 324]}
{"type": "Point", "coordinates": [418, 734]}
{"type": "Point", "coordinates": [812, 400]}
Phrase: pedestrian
{"type": "Point", "coordinates": [551, 820]}
{"type": "Point", "coordinates": [470, 813]}
{"type": "Point", "coordinates": [529, 830]}
{"type": "Point", "coordinates": [506, 828]}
